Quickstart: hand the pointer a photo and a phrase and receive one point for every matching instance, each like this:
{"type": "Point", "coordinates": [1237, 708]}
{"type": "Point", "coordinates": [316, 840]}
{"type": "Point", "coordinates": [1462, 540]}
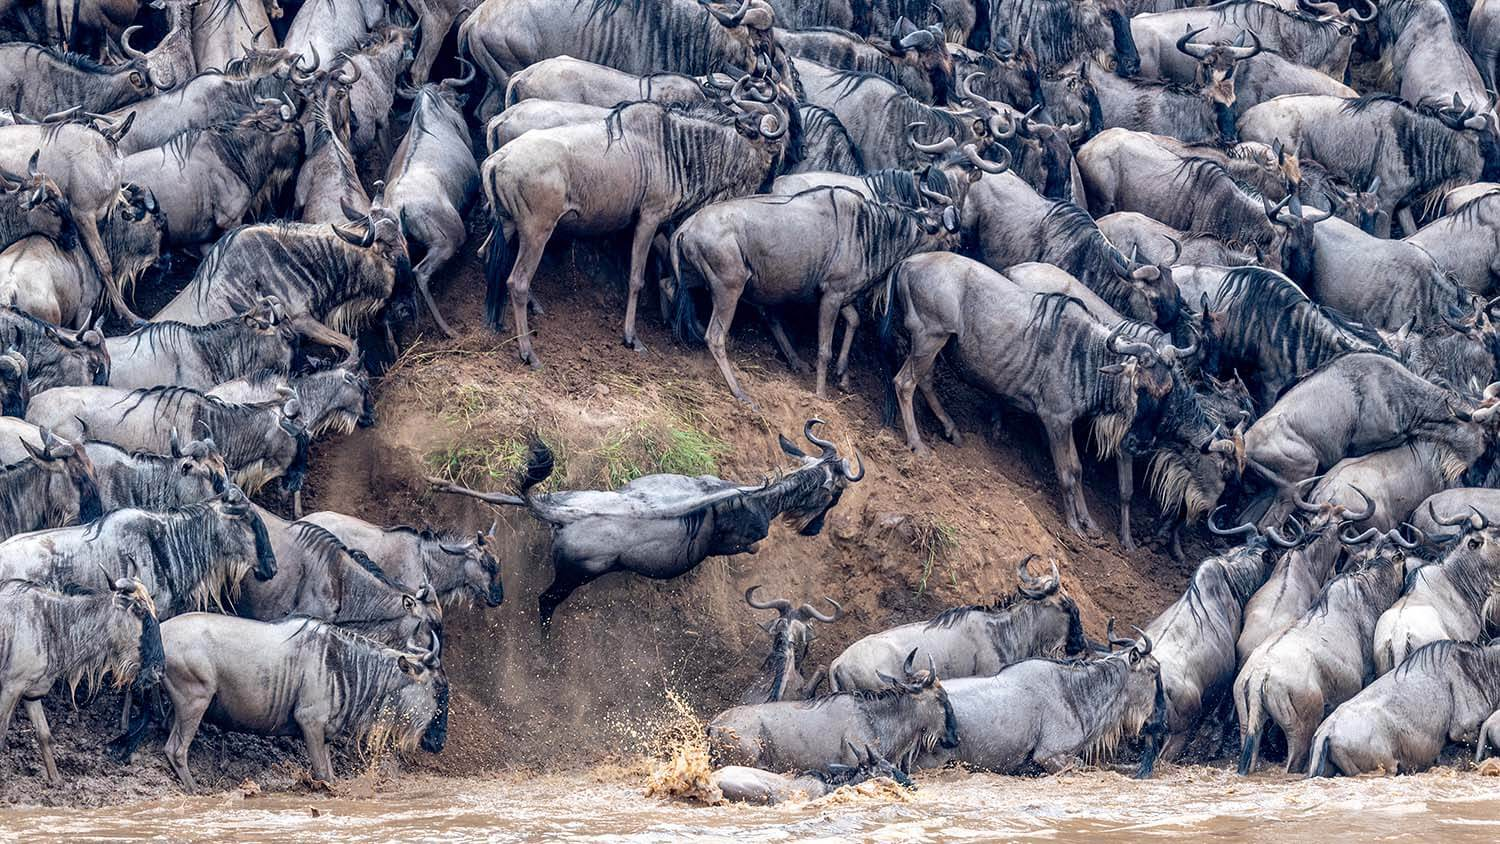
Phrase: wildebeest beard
{"type": "Point", "coordinates": [153, 659]}
{"type": "Point", "coordinates": [436, 734]}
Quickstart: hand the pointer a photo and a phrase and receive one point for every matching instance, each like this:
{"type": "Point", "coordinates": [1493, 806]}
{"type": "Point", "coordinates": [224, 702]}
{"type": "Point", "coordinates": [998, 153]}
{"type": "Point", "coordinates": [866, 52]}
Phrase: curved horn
{"type": "Point", "coordinates": [1246, 529]}
{"type": "Point", "coordinates": [966, 93]}
{"type": "Point", "coordinates": [1133, 348]}
{"type": "Point", "coordinates": [936, 197]}
{"type": "Point", "coordinates": [1242, 53]}
{"type": "Point", "coordinates": [1374, 11]}
{"type": "Point", "coordinates": [1349, 538]}
{"type": "Point", "coordinates": [129, 51]}
{"type": "Point", "coordinates": [1453, 521]}
{"type": "Point", "coordinates": [1297, 493]}
{"type": "Point", "coordinates": [857, 476]}
{"type": "Point", "coordinates": [728, 20]}
{"type": "Point", "coordinates": [910, 658]}
{"type": "Point", "coordinates": [457, 82]}
{"type": "Point", "coordinates": [1023, 573]}
{"type": "Point", "coordinates": [1478, 520]}
{"type": "Point", "coordinates": [1282, 542]}
{"type": "Point", "coordinates": [349, 73]}
{"type": "Point", "coordinates": [1176, 251]}
{"type": "Point", "coordinates": [809, 611]}
{"type": "Point", "coordinates": [807, 431]}
{"type": "Point", "coordinates": [1185, 44]}
{"type": "Point", "coordinates": [1369, 507]}
{"type": "Point", "coordinates": [945, 145]}
{"type": "Point", "coordinates": [363, 241]}
{"type": "Point", "coordinates": [781, 605]}
{"type": "Point", "coordinates": [1143, 643]}
{"type": "Point", "coordinates": [984, 164]}
{"type": "Point", "coordinates": [776, 129]}
{"type": "Point", "coordinates": [1395, 536]}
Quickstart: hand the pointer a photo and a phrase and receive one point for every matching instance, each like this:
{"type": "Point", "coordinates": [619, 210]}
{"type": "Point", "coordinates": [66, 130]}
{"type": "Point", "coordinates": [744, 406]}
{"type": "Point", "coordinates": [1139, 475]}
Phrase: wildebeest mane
{"type": "Point", "coordinates": [24, 502]}
{"type": "Point", "coordinates": [220, 345]}
{"type": "Point", "coordinates": [826, 143]}
{"type": "Point", "coordinates": [1274, 312]}
{"type": "Point", "coordinates": [78, 61]}
{"type": "Point", "coordinates": [361, 671]}
{"type": "Point", "coordinates": [1093, 690]}
{"type": "Point", "coordinates": [328, 548]}
{"type": "Point", "coordinates": [185, 552]}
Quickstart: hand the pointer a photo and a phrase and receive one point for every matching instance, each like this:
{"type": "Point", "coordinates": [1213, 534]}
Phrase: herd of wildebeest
{"type": "Point", "coordinates": [1175, 223]}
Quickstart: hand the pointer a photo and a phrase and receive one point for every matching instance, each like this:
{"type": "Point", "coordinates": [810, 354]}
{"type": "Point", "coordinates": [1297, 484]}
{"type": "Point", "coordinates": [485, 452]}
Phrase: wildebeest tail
{"type": "Point", "coordinates": [1317, 765]}
{"type": "Point", "coordinates": [497, 265]}
{"type": "Point", "coordinates": [685, 325]}
{"type": "Point", "coordinates": [889, 354]}
{"type": "Point", "coordinates": [539, 466]}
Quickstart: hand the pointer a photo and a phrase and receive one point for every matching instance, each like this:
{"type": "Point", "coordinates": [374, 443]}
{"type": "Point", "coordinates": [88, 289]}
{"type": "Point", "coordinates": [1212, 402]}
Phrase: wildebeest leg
{"type": "Point", "coordinates": [726, 295]}
{"type": "Point", "coordinates": [188, 714]}
{"type": "Point", "coordinates": [317, 748]}
{"type": "Point", "coordinates": [567, 577]}
{"type": "Point", "coordinates": [828, 315]}
{"type": "Point", "coordinates": [38, 717]}
{"type": "Point", "coordinates": [531, 242]}
{"type": "Point", "coordinates": [1408, 223]}
{"type": "Point", "coordinates": [925, 346]}
{"type": "Point", "coordinates": [1069, 471]}
{"type": "Point", "coordinates": [441, 246]}
{"type": "Point", "coordinates": [88, 234]}
{"type": "Point", "coordinates": [851, 322]}
{"type": "Point", "coordinates": [8, 700]}
{"type": "Point", "coordinates": [929, 393]}
{"type": "Point", "coordinates": [640, 249]}
{"type": "Point", "coordinates": [778, 333]}
{"type": "Point", "coordinates": [1125, 470]}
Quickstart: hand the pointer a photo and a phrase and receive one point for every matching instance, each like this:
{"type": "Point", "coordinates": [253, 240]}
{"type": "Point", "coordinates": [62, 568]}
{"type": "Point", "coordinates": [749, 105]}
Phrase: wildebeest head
{"type": "Point", "coordinates": [1471, 534]}
{"type": "Point", "coordinates": [1360, 207]}
{"type": "Point", "coordinates": [925, 49]}
{"type": "Point", "coordinates": [1216, 62]}
{"type": "Point", "coordinates": [134, 233]}
{"type": "Point", "coordinates": [927, 702]}
{"type": "Point", "coordinates": [70, 473]}
{"type": "Point", "coordinates": [819, 482]}
{"type": "Point", "coordinates": [139, 74]}
{"type": "Point", "coordinates": [420, 705]}
{"type": "Point", "coordinates": [869, 764]}
{"type": "Point", "coordinates": [201, 461]}
{"type": "Point", "coordinates": [423, 606]}
{"type": "Point", "coordinates": [1346, 20]}
{"type": "Point", "coordinates": [1143, 680]}
{"type": "Point", "coordinates": [340, 396]}
{"type": "Point", "coordinates": [1370, 545]}
{"type": "Point", "coordinates": [1298, 240]}
{"type": "Point", "coordinates": [15, 393]}
{"type": "Point", "coordinates": [1153, 285]}
{"type": "Point", "coordinates": [42, 201]}
{"type": "Point", "coordinates": [748, 24]}
{"type": "Point", "coordinates": [1324, 515]}
{"type": "Point", "coordinates": [292, 423]}
{"type": "Point", "coordinates": [1071, 99]}
{"type": "Point", "coordinates": [481, 570]}
{"type": "Point", "coordinates": [792, 624]}
{"type": "Point", "coordinates": [1045, 594]}
{"type": "Point", "coordinates": [235, 509]}
{"type": "Point", "coordinates": [1124, 57]}
{"type": "Point", "coordinates": [135, 635]}
{"type": "Point", "coordinates": [1053, 154]}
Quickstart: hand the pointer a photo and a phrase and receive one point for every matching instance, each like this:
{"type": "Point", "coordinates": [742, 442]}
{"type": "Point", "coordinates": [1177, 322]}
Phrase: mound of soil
{"type": "Point", "coordinates": [914, 537]}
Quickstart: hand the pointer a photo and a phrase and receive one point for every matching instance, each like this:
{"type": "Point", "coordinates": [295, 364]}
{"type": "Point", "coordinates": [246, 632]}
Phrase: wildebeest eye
{"type": "Point", "coordinates": [1475, 542]}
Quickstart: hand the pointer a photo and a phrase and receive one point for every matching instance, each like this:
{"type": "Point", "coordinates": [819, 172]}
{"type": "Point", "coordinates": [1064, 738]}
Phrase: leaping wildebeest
{"type": "Point", "coordinates": [781, 676]}
{"type": "Point", "coordinates": [662, 526]}
{"type": "Point", "coordinates": [974, 641]}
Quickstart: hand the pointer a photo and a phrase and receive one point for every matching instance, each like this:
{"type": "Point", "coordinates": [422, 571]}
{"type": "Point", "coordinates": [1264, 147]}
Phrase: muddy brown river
{"type": "Point", "coordinates": [1190, 803]}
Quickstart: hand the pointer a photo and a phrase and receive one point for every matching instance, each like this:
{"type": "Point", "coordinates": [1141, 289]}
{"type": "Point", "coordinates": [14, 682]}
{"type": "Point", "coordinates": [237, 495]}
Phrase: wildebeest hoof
{"type": "Point", "coordinates": [953, 436]}
{"type": "Point", "coordinates": [921, 450]}
{"type": "Point", "coordinates": [635, 344]}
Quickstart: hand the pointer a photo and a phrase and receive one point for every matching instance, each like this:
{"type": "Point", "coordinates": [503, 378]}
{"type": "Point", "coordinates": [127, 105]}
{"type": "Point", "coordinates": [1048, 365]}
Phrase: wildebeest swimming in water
{"type": "Point", "coordinates": [740, 784]}
{"type": "Point", "coordinates": [662, 526]}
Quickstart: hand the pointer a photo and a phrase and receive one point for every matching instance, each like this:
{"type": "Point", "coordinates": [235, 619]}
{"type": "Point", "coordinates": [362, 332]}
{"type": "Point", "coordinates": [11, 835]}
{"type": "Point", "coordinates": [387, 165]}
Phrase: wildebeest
{"type": "Point", "coordinates": [1305, 35]}
{"type": "Point", "coordinates": [86, 164]}
{"type": "Point", "coordinates": [39, 80]}
{"type": "Point", "coordinates": [1044, 352]}
{"type": "Point", "coordinates": [15, 392]}
{"type": "Point", "coordinates": [340, 277]}
{"type": "Point", "coordinates": [54, 281]}
{"type": "Point", "coordinates": [328, 176]}
{"type": "Point", "coordinates": [188, 558]}
{"type": "Point", "coordinates": [225, 30]}
{"type": "Point", "coordinates": [1421, 49]}
{"type": "Point", "coordinates": [738, 250]}
{"type": "Point", "coordinates": [1464, 243]}
{"type": "Point", "coordinates": [55, 356]}
{"type": "Point", "coordinates": [1443, 692]}
{"type": "Point", "coordinates": [908, 716]}
{"type": "Point", "coordinates": [261, 339]}
{"type": "Point", "coordinates": [1061, 31]}
{"type": "Point", "coordinates": [376, 62]}
{"type": "Point", "coordinates": [33, 205]}
{"type": "Point", "coordinates": [1008, 223]}
{"type": "Point", "coordinates": [54, 486]}
{"type": "Point", "coordinates": [336, 683]}
{"type": "Point", "coordinates": [1317, 663]}
{"type": "Point", "coordinates": [661, 526]}
{"type": "Point", "coordinates": [1202, 115]}
{"type": "Point", "coordinates": [1057, 713]}
{"type": "Point", "coordinates": [187, 474]}
{"type": "Point", "coordinates": [260, 441]}
{"type": "Point", "coordinates": [1450, 599]}
{"type": "Point", "coordinates": [1351, 139]}
{"type": "Point", "coordinates": [1154, 242]}
{"type": "Point", "coordinates": [434, 19]}
{"type": "Point", "coordinates": [329, 27]}
{"type": "Point", "coordinates": [781, 675]}
{"type": "Point", "coordinates": [317, 575]}
{"type": "Point", "coordinates": [54, 635]}
{"type": "Point", "coordinates": [914, 58]}
{"type": "Point", "coordinates": [1195, 637]}
{"type": "Point", "coordinates": [457, 568]}
{"type": "Point", "coordinates": [430, 182]}
{"type": "Point", "coordinates": [684, 36]}
{"type": "Point", "coordinates": [739, 784]}
{"type": "Point", "coordinates": [1257, 77]}
{"type": "Point", "coordinates": [1258, 321]}
{"type": "Point", "coordinates": [974, 641]}
{"type": "Point", "coordinates": [644, 166]}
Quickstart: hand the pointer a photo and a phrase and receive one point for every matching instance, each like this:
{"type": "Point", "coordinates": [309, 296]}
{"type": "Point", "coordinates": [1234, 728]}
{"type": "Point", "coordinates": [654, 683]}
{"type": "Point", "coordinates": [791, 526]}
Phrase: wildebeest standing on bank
{"type": "Point", "coordinates": [739, 249]}
{"type": "Point", "coordinates": [1054, 713]}
{"type": "Point", "coordinates": [643, 167]}
{"type": "Point", "coordinates": [1043, 352]}
{"type": "Point", "coordinates": [977, 641]}
{"type": "Point", "coordinates": [1443, 692]}
{"type": "Point", "coordinates": [1320, 661]}
{"type": "Point", "coordinates": [456, 567]}
{"type": "Point", "coordinates": [187, 559]}
{"type": "Point", "coordinates": [907, 717]}
{"type": "Point", "coordinates": [662, 526]}
{"type": "Point", "coordinates": [55, 356]}
{"type": "Point", "coordinates": [683, 36]}
{"type": "Point", "coordinates": [334, 683]}
{"type": "Point", "coordinates": [39, 80]}
{"type": "Point", "coordinates": [54, 486]}
{"type": "Point", "coordinates": [1305, 35]}
{"type": "Point", "coordinates": [781, 675]}
{"type": "Point", "coordinates": [50, 636]}
{"type": "Point", "coordinates": [1061, 31]}
{"type": "Point", "coordinates": [431, 180]}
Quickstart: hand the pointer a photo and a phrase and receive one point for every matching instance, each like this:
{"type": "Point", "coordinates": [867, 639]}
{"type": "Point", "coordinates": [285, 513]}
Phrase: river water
{"type": "Point", "coordinates": [1189, 803]}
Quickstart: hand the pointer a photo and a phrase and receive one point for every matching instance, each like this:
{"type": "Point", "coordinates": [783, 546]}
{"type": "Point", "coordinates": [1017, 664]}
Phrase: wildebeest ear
{"type": "Point", "coordinates": [887, 679]}
{"type": "Point", "coordinates": [1114, 369]}
{"type": "Point", "coordinates": [409, 665]}
{"type": "Point", "coordinates": [408, 602]}
{"type": "Point", "coordinates": [788, 447]}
